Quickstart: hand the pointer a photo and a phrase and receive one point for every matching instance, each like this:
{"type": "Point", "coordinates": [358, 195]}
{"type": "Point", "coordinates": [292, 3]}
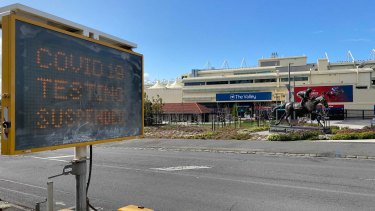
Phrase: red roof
{"type": "Point", "coordinates": [185, 108]}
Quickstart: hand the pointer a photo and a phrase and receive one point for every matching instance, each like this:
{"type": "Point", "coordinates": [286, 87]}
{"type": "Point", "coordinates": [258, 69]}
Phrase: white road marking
{"type": "Point", "coordinates": [20, 183]}
{"type": "Point", "coordinates": [180, 168]}
{"type": "Point", "coordinates": [42, 158]}
{"type": "Point", "coordinates": [293, 187]}
{"type": "Point", "coordinates": [118, 167]}
{"type": "Point", "coordinates": [248, 181]}
{"type": "Point", "coordinates": [32, 186]}
{"type": "Point", "coordinates": [60, 203]}
{"type": "Point", "coordinates": [64, 156]}
{"type": "Point", "coordinates": [19, 192]}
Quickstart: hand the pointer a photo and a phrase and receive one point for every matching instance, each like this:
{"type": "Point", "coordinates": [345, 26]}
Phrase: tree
{"type": "Point", "coordinates": [153, 109]}
{"type": "Point", "coordinates": [235, 114]}
{"type": "Point", "coordinates": [157, 107]}
{"type": "Point", "coordinates": [147, 110]}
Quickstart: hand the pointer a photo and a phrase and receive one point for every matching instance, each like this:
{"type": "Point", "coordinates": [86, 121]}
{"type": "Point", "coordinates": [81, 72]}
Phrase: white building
{"type": "Point", "coordinates": [251, 87]}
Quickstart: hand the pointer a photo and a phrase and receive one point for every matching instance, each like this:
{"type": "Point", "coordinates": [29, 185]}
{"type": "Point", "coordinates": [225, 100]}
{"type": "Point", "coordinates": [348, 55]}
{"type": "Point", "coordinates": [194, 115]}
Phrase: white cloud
{"type": "Point", "coordinates": [318, 32]}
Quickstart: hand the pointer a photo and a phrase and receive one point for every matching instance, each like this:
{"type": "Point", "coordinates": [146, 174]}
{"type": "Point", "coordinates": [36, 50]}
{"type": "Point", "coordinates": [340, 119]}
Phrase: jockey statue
{"type": "Point", "coordinates": [304, 95]}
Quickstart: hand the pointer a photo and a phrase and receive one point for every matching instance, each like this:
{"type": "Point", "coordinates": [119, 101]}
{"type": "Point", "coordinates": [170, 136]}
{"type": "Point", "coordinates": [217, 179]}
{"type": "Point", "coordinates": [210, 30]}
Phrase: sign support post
{"type": "Point", "coordinates": [50, 202]}
{"type": "Point", "coordinates": [79, 170]}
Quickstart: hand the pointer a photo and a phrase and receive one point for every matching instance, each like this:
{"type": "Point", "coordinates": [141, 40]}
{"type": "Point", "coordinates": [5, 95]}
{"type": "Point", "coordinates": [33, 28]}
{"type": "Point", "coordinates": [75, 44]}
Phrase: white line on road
{"type": "Point", "coordinates": [64, 156]}
{"type": "Point", "coordinates": [19, 192]}
{"type": "Point", "coordinates": [60, 203]}
{"type": "Point", "coordinates": [172, 169]}
{"type": "Point", "coordinates": [32, 186]}
{"type": "Point", "coordinates": [20, 183]}
{"type": "Point", "coordinates": [47, 158]}
{"type": "Point", "coordinates": [118, 167]}
{"type": "Point", "coordinates": [247, 181]}
{"type": "Point", "coordinates": [180, 168]}
{"type": "Point", "coordinates": [289, 186]}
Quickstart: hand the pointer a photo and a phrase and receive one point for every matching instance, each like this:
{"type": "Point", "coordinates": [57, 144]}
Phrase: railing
{"type": "Point", "coordinates": [359, 114]}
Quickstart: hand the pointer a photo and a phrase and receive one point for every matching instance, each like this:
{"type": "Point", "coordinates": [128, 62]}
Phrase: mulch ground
{"type": "Point", "coordinates": [201, 132]}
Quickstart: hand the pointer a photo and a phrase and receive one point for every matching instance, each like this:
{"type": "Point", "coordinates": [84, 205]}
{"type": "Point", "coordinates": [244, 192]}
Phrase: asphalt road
{"type": "Point", "coordinates": [184, 180]}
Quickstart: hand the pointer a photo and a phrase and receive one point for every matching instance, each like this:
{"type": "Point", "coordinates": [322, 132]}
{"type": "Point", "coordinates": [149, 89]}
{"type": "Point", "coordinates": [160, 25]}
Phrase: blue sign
{"type": "Point", "coordinates": [251, 96]}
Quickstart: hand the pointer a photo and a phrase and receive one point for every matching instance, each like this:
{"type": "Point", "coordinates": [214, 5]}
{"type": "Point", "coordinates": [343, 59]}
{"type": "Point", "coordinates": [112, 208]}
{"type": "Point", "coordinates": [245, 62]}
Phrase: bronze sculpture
{"type": "Point", "coordinates": [310, 106]}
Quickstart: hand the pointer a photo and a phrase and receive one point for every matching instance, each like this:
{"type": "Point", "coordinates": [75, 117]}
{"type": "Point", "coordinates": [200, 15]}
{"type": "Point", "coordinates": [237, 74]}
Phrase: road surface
{"type": "Point", "coordinates": [185, 180]}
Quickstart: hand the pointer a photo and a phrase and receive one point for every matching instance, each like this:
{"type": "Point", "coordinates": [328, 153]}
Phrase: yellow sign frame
{"type": "Point", "coordinates": [8, 86]}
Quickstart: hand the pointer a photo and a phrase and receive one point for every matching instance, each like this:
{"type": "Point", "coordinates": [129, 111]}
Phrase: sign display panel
{"type": "Point", "coordinates": [341, 93]}
{"type": "Point", "coordinates": [71, 90]}
{"type": "Point", "coordinates": [251, 96]}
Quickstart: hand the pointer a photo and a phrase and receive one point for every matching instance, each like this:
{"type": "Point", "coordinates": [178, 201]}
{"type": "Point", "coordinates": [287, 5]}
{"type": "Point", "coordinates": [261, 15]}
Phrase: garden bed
{"type": "Point", "coordinates": [204, 132]}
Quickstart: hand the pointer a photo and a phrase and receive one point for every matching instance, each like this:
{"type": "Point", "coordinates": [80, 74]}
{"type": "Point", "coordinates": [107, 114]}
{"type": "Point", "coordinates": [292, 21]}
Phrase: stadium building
{"type": "Point", "coordinates": [348, 85]}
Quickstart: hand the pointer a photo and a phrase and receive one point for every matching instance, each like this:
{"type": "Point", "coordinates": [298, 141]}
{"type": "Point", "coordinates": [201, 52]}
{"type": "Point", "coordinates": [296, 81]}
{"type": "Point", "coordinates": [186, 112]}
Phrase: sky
{"type": "Point", "coordinates": [176, 36]}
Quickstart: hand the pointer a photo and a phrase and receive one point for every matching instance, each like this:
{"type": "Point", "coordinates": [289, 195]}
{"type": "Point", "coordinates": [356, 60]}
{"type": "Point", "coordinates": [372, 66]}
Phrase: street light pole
{"type": "Point", "coordinates": [289, 82]}
{"type": "Point", "coordinates": [294, 86]}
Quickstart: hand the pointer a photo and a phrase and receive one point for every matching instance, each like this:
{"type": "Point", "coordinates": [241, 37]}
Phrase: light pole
{"type": "Point", "coordinates": [289, 82]}
{"type": "Point", "coordinates": [294, 86]}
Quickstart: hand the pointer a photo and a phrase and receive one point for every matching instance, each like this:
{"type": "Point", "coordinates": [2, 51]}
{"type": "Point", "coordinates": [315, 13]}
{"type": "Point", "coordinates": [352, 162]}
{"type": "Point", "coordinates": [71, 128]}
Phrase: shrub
{"type": "Point", "coordinates": [348, 134]}
{"type": "Point", "coordinates": [257, 129]}
{"type": "Point", "coordinates": [335, 129]}
{"type": "Point", "coordinates": [242, 136]}
{"type": "Point", "coordinates": [353, 135]}
{"type": "Point", "coordinates": [294, 136]}
{"type": "Point", "coordinates": [207, 135]}
{"type": "Point", "coordinates": [366, 135]}
{"type": "Point", "coordinates": [279, 137]}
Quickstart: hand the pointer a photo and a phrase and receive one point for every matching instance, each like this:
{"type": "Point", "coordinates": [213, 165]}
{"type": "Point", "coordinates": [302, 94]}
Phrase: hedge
{"type": "Point", "coordinates": [350, 136]}
{"type": "Point", "coordinates": [294, 136]}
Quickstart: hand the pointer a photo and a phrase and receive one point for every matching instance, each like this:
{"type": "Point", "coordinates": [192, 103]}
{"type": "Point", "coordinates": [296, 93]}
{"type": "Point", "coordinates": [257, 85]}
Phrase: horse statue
{"type": "Point", "coordinates": [310, 107]}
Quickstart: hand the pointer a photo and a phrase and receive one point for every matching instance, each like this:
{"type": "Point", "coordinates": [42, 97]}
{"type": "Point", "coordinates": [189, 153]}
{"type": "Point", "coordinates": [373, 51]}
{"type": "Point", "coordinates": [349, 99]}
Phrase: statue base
{"type": "Point", "coordinates": [289, 129]}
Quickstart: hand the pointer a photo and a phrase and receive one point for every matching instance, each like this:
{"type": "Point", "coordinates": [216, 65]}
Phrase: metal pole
{"type": "Point", "coordinates": [289, 81]}
{"type": "Point", "coordinates": [277, 114]}
{"type": "Point", "coordinates": [363, 114]}
{"type": "Point", "coordinates": [79, 170]}
{"type": "Point", "coordinates": [294, 85]}
{"type": "Point", "coordinates": [50, 201]}
{"type": "Point", "coordinates": [37, 206]}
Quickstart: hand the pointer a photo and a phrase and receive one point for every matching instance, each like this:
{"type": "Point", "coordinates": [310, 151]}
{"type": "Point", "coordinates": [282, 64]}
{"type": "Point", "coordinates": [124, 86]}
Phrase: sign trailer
{"type": "Point", "coordinates": [66, 85]}
{"type": "Point", "coordinates": [64, 90]}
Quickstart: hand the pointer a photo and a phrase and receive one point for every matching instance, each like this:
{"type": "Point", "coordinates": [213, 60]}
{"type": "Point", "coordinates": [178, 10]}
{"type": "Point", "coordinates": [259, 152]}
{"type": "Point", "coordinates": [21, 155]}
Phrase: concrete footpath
{"type": "Point", "coordinates": [359, 149]}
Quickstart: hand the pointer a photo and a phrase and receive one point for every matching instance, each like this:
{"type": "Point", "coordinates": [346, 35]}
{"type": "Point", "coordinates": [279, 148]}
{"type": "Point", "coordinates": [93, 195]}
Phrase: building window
{"type": "Point", "coordinates": [195, 83]}
{"type": "Point", "coordinates": [254, 72]}
{"type": "Point", "coordinates": [217, 82]}
{"type": "Point", "coordinates": [373, 82]}
{"type": "Point", "coordinates": [270, 63]}
{"type": "Point", "coordinates": [265, 80]}
{"type": "Point", "coordinates": [241, 82]}
{"type": "Point", "coordinates": [361, 87]}
{"type": "Point", "coordinates": [296, 78]}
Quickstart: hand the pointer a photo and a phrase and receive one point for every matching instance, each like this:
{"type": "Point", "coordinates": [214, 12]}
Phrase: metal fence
{"type": "Point", "coordinates": [359, 114]}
